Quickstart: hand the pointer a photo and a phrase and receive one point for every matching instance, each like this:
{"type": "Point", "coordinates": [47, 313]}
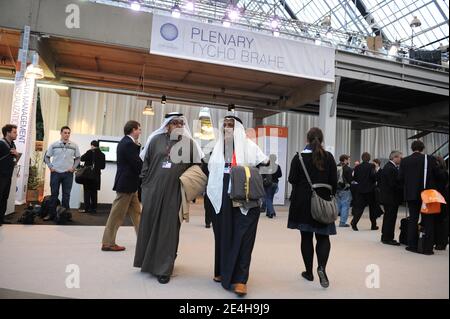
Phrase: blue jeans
{"type": "Point", "coordinates": [270, 193]}
{"type": "Point", "coordinates": [56, 180]}
{"type": "Point", "coordinates": [343, 198]}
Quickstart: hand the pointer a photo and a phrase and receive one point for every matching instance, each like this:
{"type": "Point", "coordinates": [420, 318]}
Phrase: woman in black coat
{"type": "Point", "coordinates": [441, 220]}
{"type": "Point", "coordinates": [93, 157]}
{"type": "Point", "coordinates": [321, 167]}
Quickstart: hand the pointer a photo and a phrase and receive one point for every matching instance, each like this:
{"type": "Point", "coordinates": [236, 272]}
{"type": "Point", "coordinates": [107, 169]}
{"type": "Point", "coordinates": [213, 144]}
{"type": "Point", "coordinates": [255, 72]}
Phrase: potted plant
{"type": "Point", "coordinates": [35, 186]}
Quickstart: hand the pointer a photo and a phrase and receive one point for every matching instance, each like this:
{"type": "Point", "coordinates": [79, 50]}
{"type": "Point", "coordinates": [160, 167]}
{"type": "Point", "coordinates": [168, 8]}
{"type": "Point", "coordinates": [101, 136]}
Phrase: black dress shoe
{"type": "Point", "coordinates": [354, 227]}
{"type": "Point", "coordinates": [324, 282]}
{"type": "Point", "coordinates": [411, 249]}
{"type": "Point", "coordinates": [308, 276]}
{"type": "Point", "coordinates": [374, 227]}
{"type": "Point", "coordinates": [269, 216]}
{"type": "Point", "coordinates": [392, 242]}
{"type": "Point", "coordinates": [207, 226]}
{"type": "Point", "coordinates": [47, 218]}
{"type": "Point", "coordinates": [440, 247]}
{"type": "Point", "coordinates": [163, 279]}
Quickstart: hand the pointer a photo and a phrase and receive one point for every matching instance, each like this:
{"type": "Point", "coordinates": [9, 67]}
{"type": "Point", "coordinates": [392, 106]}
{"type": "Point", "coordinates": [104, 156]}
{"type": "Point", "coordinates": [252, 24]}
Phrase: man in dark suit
{"type": "Point", "coordinates": [365, 177]}
{"type": "Point", "coordinates": [8, 160]}
{"type": "Point", "coordinates": [390, 197]}
{"type": "Point", "coordinates": [411, 175]}
{"type": "Point", "coordinates": [95, 158]}
{"type": "Point", "coordinates": [126, 184]}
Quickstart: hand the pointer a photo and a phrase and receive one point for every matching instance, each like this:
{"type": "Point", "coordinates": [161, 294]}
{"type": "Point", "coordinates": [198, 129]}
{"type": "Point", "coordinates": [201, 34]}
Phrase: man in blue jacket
{"type": "Point", "coordinates": [126, 184]}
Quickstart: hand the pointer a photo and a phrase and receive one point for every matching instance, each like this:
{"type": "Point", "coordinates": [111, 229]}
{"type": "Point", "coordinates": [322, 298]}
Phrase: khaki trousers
{"type": "Point", "coordinates": [124, 204]}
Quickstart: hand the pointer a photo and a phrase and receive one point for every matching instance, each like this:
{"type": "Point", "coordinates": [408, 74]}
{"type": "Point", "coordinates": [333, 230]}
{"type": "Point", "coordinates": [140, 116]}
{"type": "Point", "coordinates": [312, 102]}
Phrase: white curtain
{"type": "Point", "coordinates": [380, 141]}
{"type": "Point", "coordinates": [100, 113]}
{"type": "Point", "coordinates": [298, 126]}
{"type": "Point", "coordinates": [218, 114]}
{"type": "Point", "coordinates": [49, 108]}
{"type": "Point", "coordinates": [6, 98]}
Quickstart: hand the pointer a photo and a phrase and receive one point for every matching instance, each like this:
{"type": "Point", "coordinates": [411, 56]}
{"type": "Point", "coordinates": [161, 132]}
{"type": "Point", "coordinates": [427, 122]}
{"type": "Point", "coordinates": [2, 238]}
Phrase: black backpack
{"type": "Point", "coordinates": [63, 215]}
{"type": "Point", "coordinates": [45, 206]}
{"type": "Point", "coordinates": [28, 216]}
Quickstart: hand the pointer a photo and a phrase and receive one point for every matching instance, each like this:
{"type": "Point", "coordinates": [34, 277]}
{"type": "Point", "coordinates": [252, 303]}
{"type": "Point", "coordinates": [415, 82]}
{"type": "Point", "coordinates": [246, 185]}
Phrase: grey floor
{"type": "Point", "coordinates": [34, 261]}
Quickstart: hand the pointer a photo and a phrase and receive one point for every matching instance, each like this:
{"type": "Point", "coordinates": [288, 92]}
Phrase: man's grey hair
{"type": "Point", "coordinates": [394, 154]}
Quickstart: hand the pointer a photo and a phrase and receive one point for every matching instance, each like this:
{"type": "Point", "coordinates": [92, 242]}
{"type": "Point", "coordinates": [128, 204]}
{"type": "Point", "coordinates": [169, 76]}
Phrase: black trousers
{"type": "Point", "coordinates": [389, 221]}
{"type": "Point", "coordinates": [90, 199]}
{"type": "Point", "coordinates": [441, 227]}
{"type": "Point", "coordinates": [5, 185]}
{"type": "Point", "coordinates": [361, 201]}
{"type": "Point", "coordinates": [427, 222]}
{"type": "Point", "coordinates": [208, 212]}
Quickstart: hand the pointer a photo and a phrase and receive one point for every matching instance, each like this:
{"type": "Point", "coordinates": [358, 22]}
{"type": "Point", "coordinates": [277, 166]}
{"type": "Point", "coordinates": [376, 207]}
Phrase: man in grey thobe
{"type": "Point", "coordinates": [158, 235]}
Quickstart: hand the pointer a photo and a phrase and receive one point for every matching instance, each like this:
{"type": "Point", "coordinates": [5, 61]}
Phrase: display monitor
{"type": "Point", "coordinates": [109, 148]}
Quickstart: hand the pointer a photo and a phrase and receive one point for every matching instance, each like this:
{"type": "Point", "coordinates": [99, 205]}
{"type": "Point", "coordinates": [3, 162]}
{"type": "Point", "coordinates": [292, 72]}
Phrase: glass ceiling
{"type": "Point", "coordinates": [390, 18]}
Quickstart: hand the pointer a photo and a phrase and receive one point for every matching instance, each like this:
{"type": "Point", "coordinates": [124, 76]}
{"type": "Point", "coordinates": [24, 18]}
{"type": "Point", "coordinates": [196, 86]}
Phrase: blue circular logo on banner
{"type": "Point", "coordinates": [169, 31]}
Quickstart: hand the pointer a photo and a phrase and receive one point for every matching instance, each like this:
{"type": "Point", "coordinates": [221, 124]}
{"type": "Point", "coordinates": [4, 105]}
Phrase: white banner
{"type": "Point", "coordinates": [192, 40]}
{"type": "Point", "coordinates": [24, 101]}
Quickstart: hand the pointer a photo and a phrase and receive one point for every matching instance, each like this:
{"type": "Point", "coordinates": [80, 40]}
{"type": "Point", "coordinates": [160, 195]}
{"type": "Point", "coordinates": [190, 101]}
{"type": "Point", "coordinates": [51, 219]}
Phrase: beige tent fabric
{"type": "Point", "coordinates": [193, 184]}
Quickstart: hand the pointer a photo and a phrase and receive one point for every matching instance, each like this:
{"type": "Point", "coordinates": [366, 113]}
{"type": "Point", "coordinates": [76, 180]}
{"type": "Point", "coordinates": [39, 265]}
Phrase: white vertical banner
{"type": "Point", "coordinates": [24, 102]}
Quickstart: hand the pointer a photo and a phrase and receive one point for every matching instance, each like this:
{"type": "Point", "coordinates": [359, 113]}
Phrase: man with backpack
{"type": "Point", "coordinates": [343, 193]}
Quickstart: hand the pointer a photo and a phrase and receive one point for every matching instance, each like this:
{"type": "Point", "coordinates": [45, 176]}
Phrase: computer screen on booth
{"type": "Point", "coordinates": [109, 148]}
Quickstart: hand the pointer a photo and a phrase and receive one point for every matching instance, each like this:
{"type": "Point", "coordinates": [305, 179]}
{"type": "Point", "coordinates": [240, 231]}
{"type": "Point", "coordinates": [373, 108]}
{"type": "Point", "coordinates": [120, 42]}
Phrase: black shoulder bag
{"type": "Point", "coordinates": [86, 174]}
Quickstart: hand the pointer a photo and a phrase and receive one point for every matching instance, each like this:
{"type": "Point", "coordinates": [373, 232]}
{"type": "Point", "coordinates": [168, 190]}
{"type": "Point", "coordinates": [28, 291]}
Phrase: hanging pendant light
{"type": "Point", "coordinates": [415, 23]}
{"type": "Point", "coordinates": [148, 109]}
{"type": "Point", "coordinates": [326, 22]}
{"type": "Point", "coordinates": [34, 72]}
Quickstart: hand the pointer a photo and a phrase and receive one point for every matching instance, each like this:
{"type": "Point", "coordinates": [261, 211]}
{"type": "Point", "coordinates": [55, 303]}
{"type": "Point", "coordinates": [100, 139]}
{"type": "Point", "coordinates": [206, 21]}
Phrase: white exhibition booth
{"type": "Point", "coordinates": [106, 195]}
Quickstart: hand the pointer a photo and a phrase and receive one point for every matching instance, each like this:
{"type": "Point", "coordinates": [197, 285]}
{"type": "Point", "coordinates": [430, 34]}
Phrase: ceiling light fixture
{"type": "Point", "coordinates": [176, 11]}
{"type": "Point", "coordinates": [275, 22]}
{"type": "Point", "coordinates": [136, 6]}
{"type": "Point", "coordinates": [326, 22]}
{"type": "Point", "coordinates": [34, 72]}
{"type": "Point", "coordinates": [233, 13]}
{"type": "Point", "coordinates": [415, 23]}
{"type": "Point", "coordinates": [190, 6]}
{"type": "Point", "coordinates": [226, 21]}
{"type": "Point", "coordinates": [148, 109]}
{"type": "Point", "coordinates": [393, 51]}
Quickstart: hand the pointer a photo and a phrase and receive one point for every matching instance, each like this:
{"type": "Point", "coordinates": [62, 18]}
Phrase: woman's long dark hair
{"type": "Point", "coordinates": [315, 139]}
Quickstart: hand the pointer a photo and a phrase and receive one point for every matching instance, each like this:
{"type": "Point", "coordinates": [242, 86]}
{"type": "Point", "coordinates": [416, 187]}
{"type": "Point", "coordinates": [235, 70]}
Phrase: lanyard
{"type": "Point", "coordinates": [168, 149]}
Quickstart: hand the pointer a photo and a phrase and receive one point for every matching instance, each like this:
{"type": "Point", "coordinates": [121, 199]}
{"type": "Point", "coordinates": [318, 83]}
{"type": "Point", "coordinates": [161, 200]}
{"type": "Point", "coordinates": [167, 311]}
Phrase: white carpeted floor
{"type": "Point", "coordinates": [34, 259]}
